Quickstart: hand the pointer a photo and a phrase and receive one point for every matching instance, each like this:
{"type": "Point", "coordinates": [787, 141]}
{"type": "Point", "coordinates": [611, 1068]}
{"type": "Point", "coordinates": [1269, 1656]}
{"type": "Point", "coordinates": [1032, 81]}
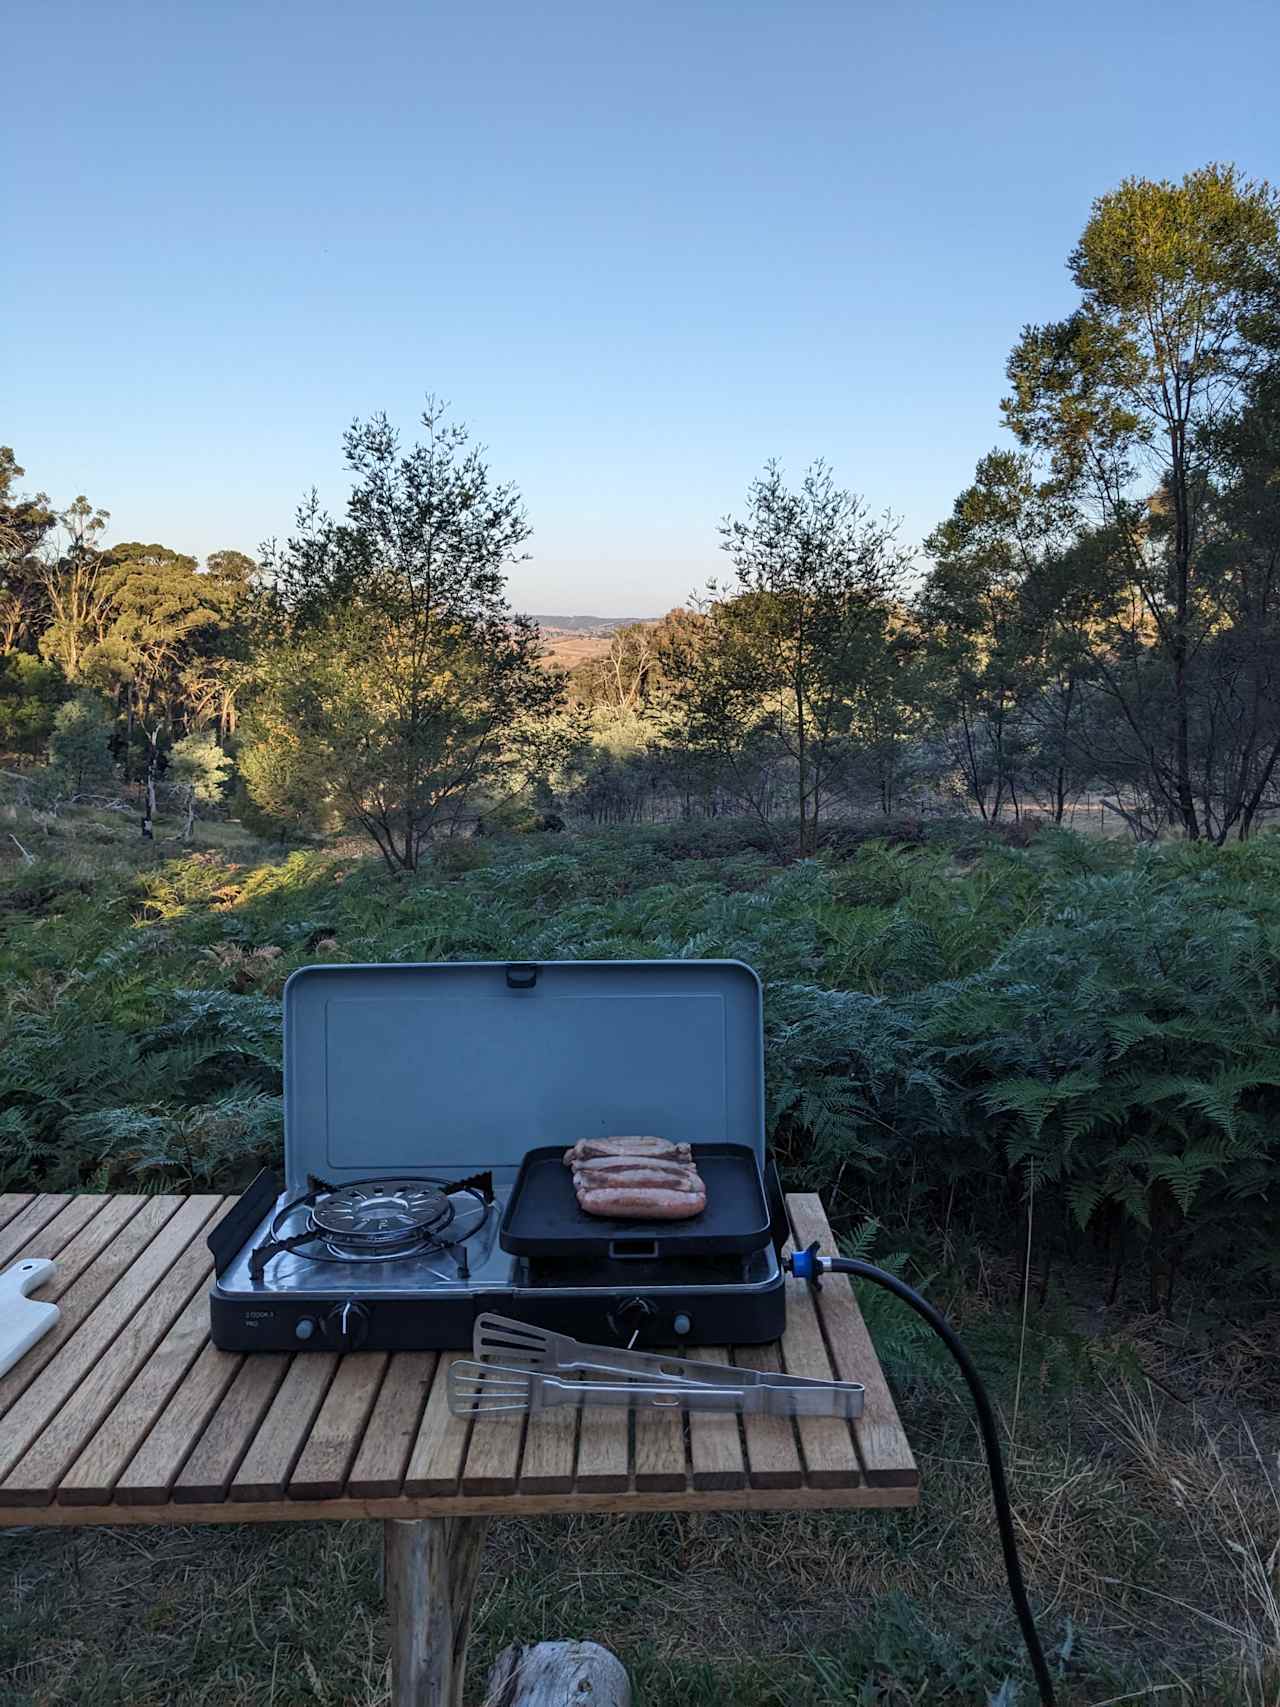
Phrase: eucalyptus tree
{"type": "Point", "coordinates": [199, 770]}
{"type": "Point", "coordinates": [777, 665]}
{"type": "Point", "coordinates": [1179, 313]}
{"type": "Point", "coordinates": [1236, 730]}
{"type": "Point", "coordinates": [25, 521]}
{"type": "Point", "coordinates": [74, 582]}
{"type": "Point", "coordinates": [395, 683]}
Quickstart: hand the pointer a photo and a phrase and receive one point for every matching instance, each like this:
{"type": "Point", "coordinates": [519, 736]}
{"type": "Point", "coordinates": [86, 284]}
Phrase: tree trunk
{"type": "Point", "coordinates": [190, 821]}
{"type": "Point", "coordinates": [153, 765]}
{"type": "Point", "coordinates": [558, 1674]}
{"type": "Point", "coordinates": [1179, 649]}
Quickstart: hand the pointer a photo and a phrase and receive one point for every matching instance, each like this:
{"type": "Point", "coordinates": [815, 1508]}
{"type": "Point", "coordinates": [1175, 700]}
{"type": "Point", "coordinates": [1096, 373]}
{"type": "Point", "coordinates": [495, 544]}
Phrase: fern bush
{"type": "Point", "coordinates": [951, 1030]}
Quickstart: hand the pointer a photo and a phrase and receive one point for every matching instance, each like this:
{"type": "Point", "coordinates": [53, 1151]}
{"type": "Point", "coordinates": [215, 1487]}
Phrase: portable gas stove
{"type": "Point", "coordinates": [401, 1081]}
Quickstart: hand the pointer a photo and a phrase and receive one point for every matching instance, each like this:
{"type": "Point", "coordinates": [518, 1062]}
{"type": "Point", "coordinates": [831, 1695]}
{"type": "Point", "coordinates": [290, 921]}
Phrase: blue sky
{"type": "Point", "coordinates": [640, 247]}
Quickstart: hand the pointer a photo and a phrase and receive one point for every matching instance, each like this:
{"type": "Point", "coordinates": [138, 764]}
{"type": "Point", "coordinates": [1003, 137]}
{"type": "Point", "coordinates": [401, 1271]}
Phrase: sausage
{"type": "Point", "coordinates": [587, 1148]}
{"type": "Point", "coordinates": [646, 1203]}
{"type": "Point", "coordinates": [665, 1178]}
{"type": "Point", "coordinates": [602, 1167]}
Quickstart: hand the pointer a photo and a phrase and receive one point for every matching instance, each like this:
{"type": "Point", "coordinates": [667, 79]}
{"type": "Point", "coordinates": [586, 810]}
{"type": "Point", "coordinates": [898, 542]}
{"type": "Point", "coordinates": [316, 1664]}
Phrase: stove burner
{"type": "Point", "coordinates": [374, 1220]}
{"type": "Point", "coordinates": [389, 1217]}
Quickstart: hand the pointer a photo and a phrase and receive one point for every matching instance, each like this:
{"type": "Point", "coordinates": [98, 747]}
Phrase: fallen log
{"type": "Point", "coordinates": [558, 1674]}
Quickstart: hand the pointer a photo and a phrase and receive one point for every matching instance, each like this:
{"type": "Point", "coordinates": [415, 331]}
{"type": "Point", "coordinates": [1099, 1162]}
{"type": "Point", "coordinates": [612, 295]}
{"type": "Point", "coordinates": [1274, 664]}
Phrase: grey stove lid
{"type": "Point", "coordinates": [453, 1067]}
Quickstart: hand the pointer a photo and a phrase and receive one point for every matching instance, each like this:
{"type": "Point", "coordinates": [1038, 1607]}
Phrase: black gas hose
{"type": "Point", "coordinates": [809, 1265]}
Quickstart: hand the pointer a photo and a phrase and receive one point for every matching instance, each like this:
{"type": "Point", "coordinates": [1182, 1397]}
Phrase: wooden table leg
{"type": "Point", "coordinates": [431, 1565]}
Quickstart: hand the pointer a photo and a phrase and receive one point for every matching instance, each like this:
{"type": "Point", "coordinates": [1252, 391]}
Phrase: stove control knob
{"type": "Point", "coordinates": [346, 1327]}
{"type": "Point", "coordinates": [629, 1319]}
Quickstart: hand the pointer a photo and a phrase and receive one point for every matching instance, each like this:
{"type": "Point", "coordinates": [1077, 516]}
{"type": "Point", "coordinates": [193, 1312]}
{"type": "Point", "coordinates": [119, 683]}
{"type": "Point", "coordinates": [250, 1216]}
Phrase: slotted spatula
{"type": "Point", "coordinates": [489, 1389]}
{"type": "Point", "coordinates": [498, 1339]}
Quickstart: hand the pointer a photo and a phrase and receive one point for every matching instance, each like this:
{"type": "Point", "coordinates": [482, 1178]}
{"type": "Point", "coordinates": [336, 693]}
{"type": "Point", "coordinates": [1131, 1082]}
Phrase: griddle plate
{"type": "Point", "coordinates": [543, 1218]}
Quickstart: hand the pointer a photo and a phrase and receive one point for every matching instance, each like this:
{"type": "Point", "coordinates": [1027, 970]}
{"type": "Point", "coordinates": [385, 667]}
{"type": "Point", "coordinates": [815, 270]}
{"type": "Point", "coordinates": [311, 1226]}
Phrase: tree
{"type": "Point", "coordinates": [199, 769]}
{"type": "Point", "coordinates": [970, 609]}
{"type": "Point", "coordinates": [393, 674]}
{"type": "Point", "coordinates": [1177, 315]}
{"type": "Point", "coordinates": [233, 569]}
{"type": "Point", "coordinates": [1237, 729]}
{"type": "Point", "coordinates": [24, 523]}
{"type": "Point", "coordinates": [158, 605]}
{"type": "Point", "coordinates": [219, 668]}
{"type": "Point", "coordinates": [31, 691]}
{"type": "Point", "coordinates": [1005, 662]}
{"type": "Point", "coordinates": [777, 663]}
{"type": "Point", "coordinates": [80, 745]}
{"type": "Point", "coordinates": [75, 585]}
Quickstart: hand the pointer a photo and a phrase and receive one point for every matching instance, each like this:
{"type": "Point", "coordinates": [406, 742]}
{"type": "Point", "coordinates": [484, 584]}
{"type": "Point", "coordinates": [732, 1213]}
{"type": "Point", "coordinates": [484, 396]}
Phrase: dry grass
{"type": "Point", "coordinates": [567, 651]}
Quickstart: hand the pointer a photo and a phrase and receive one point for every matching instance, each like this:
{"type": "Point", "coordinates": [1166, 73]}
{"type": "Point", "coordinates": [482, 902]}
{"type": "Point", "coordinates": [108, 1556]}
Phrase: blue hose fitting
{"type": "Point", "coordinates": [806, 1264]}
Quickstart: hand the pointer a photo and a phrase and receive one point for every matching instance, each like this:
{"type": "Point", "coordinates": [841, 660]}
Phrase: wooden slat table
{"type": "Point", "coordinates": [126, 1414]}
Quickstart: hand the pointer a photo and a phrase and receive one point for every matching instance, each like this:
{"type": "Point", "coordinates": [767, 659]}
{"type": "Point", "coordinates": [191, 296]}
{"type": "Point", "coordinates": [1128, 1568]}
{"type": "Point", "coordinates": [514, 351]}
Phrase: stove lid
{"type": "Point", "coordinates": [449, 1068]}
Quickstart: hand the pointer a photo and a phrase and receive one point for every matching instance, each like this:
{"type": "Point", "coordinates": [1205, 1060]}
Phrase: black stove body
{"type": "Point", "coordinates": [425, 1106]}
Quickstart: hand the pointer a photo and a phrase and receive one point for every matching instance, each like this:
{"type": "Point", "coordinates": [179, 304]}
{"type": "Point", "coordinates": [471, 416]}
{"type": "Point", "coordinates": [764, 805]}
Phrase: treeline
{"type": "Point", "coordinates": [1097, 616]}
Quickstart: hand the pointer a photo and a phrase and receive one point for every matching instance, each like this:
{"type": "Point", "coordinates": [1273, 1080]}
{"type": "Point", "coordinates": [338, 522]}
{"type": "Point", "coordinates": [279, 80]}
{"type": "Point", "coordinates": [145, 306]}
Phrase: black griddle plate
{"type": "Point", "coordinates": [543, 1218]}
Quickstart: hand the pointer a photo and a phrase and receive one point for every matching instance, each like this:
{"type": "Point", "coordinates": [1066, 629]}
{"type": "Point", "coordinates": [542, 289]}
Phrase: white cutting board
{"type": "Point", "coordinates": [23, 1320]}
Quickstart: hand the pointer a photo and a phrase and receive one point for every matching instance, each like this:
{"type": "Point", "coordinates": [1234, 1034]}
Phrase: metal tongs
{"type": "Point", "coordinates": [519, 1367]}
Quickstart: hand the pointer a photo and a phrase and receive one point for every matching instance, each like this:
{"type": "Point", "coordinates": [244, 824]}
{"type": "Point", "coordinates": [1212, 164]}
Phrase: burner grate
{"type": "Point", "coordinates": [376, 1220]}
{"type": "Point", "coordinates": [389, 1217]}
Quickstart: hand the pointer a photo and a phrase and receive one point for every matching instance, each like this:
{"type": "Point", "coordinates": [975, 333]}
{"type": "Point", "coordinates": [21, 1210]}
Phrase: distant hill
{"type": "Point", "coordinates": [587, 624]}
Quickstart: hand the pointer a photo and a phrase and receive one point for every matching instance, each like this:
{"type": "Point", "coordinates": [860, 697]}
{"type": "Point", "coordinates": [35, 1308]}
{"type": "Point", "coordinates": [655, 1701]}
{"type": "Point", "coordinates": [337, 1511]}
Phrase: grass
{"type": "Point", "coordinates": [140, 1046]}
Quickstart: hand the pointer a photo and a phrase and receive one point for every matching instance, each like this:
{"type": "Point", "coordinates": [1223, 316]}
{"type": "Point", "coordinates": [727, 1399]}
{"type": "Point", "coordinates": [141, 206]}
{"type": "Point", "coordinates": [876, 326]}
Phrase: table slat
{"type": "Point", "coordinates": [661, 1455]}
{"type": "Point", "coordinates": [321, 1470]}
{"type": "Point", "coordinates": [435, 1464]}
{"type": "Point", "coordinates": [773, 1459]}
{"type": "Point", "coordinates": [879, 1432]}
{"type": "Point", "coordinates": [113, 1444]}
{"type": "Point", "coordinates": [493, 1455]}
{"type": "Point", "coordinates": [32, 1220]}
{"type": "Point", "coordinates": [826, 1443]}
{"type": "Point", "coordinates": [69, 1394]}
{"type": "Point", "coordinates": [715, 1441]}
{"type": "Point", "coordinates": [207, 1473]}
{"type": "Point", "coordinates": [152, 1471]}
{"type": "Point", "coordinates": [380, 1464]}
{"type": "Point", "coordinates": [52, 1237]}
{"type": "Point", "coordinates": [550, 1446]}
{"type": "Point", "coordinates": [604, 1449]}
{"type": "Point", "coordinates": [11, 1203]}
{"type": "Point", "coordinates": [134, 1222]}
{"type": "Point", "coordinates": [80, 1415]}
{"type": "Point", "coordinates": [266, 1467]}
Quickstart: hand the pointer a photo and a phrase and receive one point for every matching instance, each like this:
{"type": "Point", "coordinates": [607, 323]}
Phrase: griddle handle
{"type": "Point", "coordinates": [521, 975]}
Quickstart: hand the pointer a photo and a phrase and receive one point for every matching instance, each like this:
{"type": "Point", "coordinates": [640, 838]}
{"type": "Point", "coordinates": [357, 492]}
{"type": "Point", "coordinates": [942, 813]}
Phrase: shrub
{"type": "Point", "coordinates": [1079, 1027]}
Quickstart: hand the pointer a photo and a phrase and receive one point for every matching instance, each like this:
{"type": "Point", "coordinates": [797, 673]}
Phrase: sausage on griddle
{"type": "Point", "coordinates": [588, 1148]}
{"type": "Point", "coordinates": [643, 1203]}
{"type": "Point", "coordinates": [617, 1167]}
{"type": "Point", "coordinates": [634, 1179]}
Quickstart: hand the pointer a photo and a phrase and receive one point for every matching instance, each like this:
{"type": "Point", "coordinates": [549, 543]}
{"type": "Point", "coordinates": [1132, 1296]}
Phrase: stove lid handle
{"type": "Point", "coordinates": [521, 975]}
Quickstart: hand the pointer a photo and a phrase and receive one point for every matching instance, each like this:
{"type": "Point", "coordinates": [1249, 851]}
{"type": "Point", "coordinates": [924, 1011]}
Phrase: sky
{"type": "Point", "coordinates": [640, 248]}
